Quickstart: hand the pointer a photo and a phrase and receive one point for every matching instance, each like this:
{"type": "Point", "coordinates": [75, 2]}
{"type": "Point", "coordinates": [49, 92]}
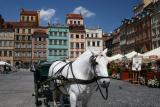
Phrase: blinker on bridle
{"type": "Point", "coordinates": [93, 60]}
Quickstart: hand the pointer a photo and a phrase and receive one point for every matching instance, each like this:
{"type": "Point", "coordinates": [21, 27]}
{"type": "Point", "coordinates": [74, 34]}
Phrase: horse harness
{"type": "Point", "coordinates": [68, 81]}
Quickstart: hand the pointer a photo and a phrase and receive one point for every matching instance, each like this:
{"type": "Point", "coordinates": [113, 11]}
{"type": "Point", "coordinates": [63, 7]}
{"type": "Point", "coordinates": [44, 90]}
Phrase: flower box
{"type": "Point", "coordinates": [124, 75]}
{"type": "Point", "coordinates": [149, 76]}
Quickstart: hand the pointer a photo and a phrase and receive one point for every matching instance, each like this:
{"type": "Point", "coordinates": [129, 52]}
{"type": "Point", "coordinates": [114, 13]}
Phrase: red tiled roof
{"type": "Point", "coordinates": [26, 12]}
{"type": "Point", "coordinates": [22, 24]}
{"type": "Point", "coordinates": [40, 32]}
{"type": "Point", "coordinates": [74, 16]}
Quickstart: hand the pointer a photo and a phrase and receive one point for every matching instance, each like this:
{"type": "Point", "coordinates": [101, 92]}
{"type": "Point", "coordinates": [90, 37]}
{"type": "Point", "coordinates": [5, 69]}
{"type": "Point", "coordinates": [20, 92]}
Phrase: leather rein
{"type": "Point", "coordinates": [67, 81]}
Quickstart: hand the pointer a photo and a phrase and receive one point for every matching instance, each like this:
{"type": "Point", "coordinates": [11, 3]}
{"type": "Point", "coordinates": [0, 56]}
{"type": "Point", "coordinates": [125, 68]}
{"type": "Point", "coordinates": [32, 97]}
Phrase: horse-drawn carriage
{"type": "Point", "coordinates": [43, 92]}
{"type": "Point", "coordinates": [61, 83]}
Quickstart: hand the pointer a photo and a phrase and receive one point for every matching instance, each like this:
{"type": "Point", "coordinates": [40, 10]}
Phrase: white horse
{"type": "Point", "coordinates": [82, 69]}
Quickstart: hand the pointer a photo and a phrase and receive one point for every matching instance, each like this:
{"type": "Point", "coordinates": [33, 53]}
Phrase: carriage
{"type": "Point", "coordinates": [61, 84]}
{"type": "Point", "coordinates": [43, 92]}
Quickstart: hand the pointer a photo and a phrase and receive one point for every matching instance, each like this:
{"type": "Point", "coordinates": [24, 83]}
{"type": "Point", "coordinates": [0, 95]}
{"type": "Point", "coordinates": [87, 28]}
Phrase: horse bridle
{"type": "Point", "coordinates": [93, 66]}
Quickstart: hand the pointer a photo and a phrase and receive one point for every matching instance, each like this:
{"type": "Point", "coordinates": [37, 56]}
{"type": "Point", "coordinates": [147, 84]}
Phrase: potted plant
{"type": "Point", "coordinates": [149, 74]}
{"type": "Point", "coordinates": [124, 73]}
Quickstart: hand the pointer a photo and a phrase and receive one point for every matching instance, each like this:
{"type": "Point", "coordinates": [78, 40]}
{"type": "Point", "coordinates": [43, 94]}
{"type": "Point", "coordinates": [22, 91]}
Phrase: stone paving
{"type": "Point", "coordinates": [16, 91]}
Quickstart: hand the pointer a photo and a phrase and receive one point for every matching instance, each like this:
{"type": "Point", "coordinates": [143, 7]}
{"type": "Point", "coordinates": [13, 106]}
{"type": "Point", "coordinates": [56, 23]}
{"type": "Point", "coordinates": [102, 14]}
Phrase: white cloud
{"type": "Point", "coordinates": [46, 15]}
{"type": "Point", "coordinates": [85, 12]}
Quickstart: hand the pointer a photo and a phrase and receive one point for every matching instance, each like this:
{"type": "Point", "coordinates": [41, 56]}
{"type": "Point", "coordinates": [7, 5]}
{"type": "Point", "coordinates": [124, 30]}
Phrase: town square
{"type": "Point", "coordinates": [74, 53]}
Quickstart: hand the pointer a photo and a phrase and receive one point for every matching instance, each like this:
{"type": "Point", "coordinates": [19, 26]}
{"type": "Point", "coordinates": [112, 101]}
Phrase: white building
{"type": "Point", "coordinates": [155, 26]}
{"type": "Point", "coordinates": [94, 39]}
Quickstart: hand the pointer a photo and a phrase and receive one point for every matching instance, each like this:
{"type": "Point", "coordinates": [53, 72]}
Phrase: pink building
{"type": "Point", "coordinates": [76, 35]}
{"type": "Point", "coordinates": [39, 44]}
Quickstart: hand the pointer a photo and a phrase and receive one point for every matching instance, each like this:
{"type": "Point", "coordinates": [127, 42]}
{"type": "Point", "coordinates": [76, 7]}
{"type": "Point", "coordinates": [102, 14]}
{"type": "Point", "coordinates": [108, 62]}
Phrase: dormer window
{"type": "Point", "coordinates": [22, 18]}
{"type": "Point", "coordinates": [27, 18]}
{"type": "Point", "coordinates": [31, 18]}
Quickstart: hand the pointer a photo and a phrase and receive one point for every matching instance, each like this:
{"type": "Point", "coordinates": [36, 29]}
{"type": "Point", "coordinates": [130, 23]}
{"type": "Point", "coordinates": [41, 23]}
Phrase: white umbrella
{"type": "Point", "coordinates": [155, 52]}
{"type": "Point", "coordinates": [116, 57]}
{"type": "Point", "coordinates": [4, 63]}
{"type": "Point", "coordinates": [132, 54]}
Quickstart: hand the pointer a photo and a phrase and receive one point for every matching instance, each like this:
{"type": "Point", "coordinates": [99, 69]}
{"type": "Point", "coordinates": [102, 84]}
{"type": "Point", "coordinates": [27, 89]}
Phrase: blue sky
{"type": "Point", "coordinates": [106, 14]}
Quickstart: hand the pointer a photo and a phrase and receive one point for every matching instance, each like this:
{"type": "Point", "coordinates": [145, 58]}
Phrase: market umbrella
{"type": "Point", "coordinates": [4, 63]}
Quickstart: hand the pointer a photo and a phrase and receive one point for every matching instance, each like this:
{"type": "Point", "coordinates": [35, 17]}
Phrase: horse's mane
{"type": "Point", "coordinates": [85, 54]}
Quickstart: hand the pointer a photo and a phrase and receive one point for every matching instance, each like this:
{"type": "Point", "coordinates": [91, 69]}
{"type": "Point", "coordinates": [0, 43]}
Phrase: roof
{"type": "Point", "coordinates": [40, 32]}
{"type": "Point", "coordinates": [74, 16]}
{"type": "Point", "coordinates": [26, 12]}
{"type": "Point", "coordinates": [22, 24]}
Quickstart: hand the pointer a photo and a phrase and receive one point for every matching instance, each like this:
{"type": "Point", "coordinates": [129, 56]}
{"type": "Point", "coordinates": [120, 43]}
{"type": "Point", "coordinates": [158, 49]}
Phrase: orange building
{"type": "Point", "coordinates": [76, 35]}
{"type": "Point", "coordinates": [23, 37]}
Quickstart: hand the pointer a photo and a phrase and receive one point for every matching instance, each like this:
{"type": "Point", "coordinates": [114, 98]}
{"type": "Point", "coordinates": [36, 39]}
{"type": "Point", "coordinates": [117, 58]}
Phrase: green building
{"type": "Point", "coordinates": [57, 48]}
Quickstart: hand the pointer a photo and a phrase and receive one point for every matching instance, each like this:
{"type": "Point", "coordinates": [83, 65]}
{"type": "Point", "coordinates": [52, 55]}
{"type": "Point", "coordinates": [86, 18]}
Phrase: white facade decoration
{"type": "Point", "coordinates": [94, 39]}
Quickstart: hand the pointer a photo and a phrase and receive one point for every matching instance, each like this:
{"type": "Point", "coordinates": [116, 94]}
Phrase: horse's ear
{"type": "Point", "coordinates": [105, 51]}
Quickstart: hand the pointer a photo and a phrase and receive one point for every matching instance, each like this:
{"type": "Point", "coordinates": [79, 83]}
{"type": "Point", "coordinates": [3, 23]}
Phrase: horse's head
{"type": "Point", "coordinates": [99, 63]}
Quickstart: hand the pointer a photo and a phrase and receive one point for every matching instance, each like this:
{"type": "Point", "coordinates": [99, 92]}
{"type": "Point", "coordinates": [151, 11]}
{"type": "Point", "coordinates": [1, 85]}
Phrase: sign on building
{"type": "Point", "coordinates": [136, 64]}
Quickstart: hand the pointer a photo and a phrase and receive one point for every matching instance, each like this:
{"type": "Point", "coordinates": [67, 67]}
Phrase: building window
{"type": "Point", "coordinates": [87, 35]}
{"type": "Point", "coordinates": [77, 54]}
{"type": "Point", "coordinates": [23, 30]}
{"type": "Point", "coordinates": [82, 45]}
{"type": "Point", "coordinates": [27, 18]}
{"type": "Point", "coordinates": [51, 33]}
{"type": "Point", "coordinates": [79, 22]}
{"type": "Point", "coordinates": [29, 31]}
{"type": "Point", "coordinates": [17, 30]}
{"type": "Point", "coordinates": [55, 42]}
{"type": "Point", "coordinates": [77, 36]}
{"type": "Point", "coordinates": [65, 42]}
{"type": "Point", "coordinates": [60, 33]}
{"type": "Point", "coordinates": [72, 45]}
{"type": "Point", "coordinates": [71, 35]}
{"type": "Point", "coordinates": [29, 38]}
{"type": "Point", "coordinates": [74, 22]}
{"type": "Point", "coordinates": [71, 22]}
{"type": "Point", "coordinates": [92, 35]}
{"type": "Point", "coordinates": [50, 42]}
{"type": "Point", "coordinates": [31, 18]}
{"type": "Point", "coordinates": [55, 33]}
{"type": "Point", "coordinates": [60, 42]}
{"type": "Point", "coordinates": [82, 36]}
{"type": "Point", "coordinates": [10, 53]}
{"type": "Point", "coordinates": [50, 52]}
{"type": "Point", "coordinates": [22, 18]}
{"type": "Point", "coordinates": [77, 45]}
{"type": "Point", "coordinates": [55, 52]}
{"type": "Point", "coordinates": [65, 34]}
{"type": "Point", "coordinates": [93, 43]}
{"type": "Point", "coordinates": [5, 53]}
{"type": "Point", "coordinates": [40, 38]}
{"type": "Point", "coordinates": [96, 35]}
{"type": "Point", "coordinates": [72, 54]}
{"type": "Point", "coordinates": [88, 43]}
{"type": "Point", "coordinates": [60, 52]}
{"type": "Point", "coordinates": [98, 43]}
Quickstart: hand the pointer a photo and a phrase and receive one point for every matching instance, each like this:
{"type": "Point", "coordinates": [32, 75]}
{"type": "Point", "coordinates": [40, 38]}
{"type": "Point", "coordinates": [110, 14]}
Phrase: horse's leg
{"type": "Point", "coordinates": [54, 99]}
{"type": "Point", "coordinates": [86, 99]}
{"type": "Point", "coordinates": [73, 99]}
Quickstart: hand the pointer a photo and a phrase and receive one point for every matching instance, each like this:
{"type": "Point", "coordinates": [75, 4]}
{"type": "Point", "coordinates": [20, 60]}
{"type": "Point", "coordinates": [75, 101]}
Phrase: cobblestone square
{"type": "Point", "coordinates": [16, 91]}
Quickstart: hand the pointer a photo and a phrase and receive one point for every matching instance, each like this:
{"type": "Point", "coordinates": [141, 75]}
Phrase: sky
{"type": "Point", "coordinates": [106, 14]}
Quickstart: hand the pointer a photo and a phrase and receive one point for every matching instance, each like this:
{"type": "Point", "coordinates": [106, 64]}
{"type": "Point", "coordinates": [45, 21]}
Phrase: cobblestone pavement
{"type": "Point", "coordinates": [16, 91]}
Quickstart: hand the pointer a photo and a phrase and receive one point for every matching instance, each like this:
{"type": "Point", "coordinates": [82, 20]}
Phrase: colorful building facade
{"type": "Point", "coordinates": [57, 41]}
{"type": "Point", "coordinates": [23, 37]}
{"type": "Point", "coordinates": [39, 44]}
{"type": "Point", "coordinates": [94, 39]}
{"type": "Point", "coordinates": [76, 35]}
{"type": "Point", "coordinates": [6, 45]}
